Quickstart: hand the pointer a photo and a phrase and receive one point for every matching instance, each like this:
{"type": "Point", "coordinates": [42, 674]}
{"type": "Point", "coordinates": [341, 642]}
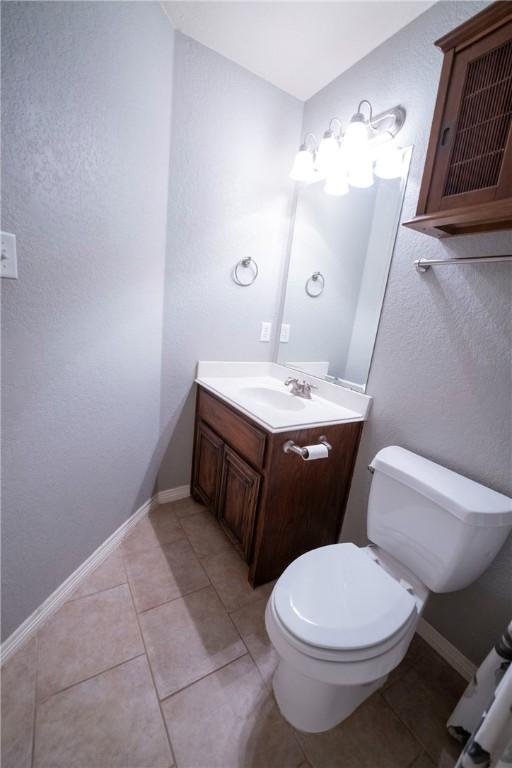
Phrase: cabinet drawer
{"type": "Point", "coordinates": [240, 434]}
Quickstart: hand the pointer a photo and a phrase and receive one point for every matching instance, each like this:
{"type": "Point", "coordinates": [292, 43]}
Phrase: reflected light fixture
{"type": "Point", "coordinates": [337, 186]}
{"type": "Point", "coordinates": [337, 179]}
{"type": "Point", "coordinates": [303, 168]}
{"type": "Point", "coordinates": [360, 172]}
{"type": "Point", "coordinates": [389, 162]}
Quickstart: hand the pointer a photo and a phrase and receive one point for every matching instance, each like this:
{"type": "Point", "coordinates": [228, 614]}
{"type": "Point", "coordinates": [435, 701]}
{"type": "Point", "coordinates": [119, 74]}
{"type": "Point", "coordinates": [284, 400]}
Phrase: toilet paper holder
{"type": "Point", "coordinates": [290, 447]}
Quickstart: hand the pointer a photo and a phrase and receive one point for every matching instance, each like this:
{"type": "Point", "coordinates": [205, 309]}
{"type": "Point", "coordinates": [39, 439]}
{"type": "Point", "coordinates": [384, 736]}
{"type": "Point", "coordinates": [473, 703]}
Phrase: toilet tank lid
{"type": "Point", "coordinates": [469, 501]}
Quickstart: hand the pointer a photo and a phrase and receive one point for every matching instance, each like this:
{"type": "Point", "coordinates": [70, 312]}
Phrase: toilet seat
{"type": "Point", "coordinates": [337, 598]}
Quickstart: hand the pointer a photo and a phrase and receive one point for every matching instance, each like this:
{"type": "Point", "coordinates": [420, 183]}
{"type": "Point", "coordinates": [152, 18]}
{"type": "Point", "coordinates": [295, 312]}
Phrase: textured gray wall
{"type": "Point", "coordinates": [86, 98]}
{"type": "Point", "coordinates": [441, 375]}
{"type": "Point", "coordinates": [233, 138]}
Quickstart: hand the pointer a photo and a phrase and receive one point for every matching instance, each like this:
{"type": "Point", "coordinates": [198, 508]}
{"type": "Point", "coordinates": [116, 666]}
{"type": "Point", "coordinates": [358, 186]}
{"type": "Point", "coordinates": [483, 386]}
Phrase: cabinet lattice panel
{"type": "Point", "coordinates": [483, 124]}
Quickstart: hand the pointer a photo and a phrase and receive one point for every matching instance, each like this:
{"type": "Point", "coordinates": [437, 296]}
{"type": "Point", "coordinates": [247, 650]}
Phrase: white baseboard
{"type": "Point", "coordinates": [173, 494]}
{"type": "Point", "coordinates": [31, 624]}
{"type": "Point", "coordinates": [446, 650]}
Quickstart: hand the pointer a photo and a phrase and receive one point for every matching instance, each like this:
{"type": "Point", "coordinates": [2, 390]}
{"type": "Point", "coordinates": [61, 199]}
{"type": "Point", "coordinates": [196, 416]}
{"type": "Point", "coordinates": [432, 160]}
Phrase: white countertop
{"type": "Point", "coordinates": [257, 389]}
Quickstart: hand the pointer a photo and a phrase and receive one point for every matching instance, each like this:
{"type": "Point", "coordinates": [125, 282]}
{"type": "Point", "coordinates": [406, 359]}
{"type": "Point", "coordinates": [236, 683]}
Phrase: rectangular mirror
{"type": "Point", "coordinates": [339, 264]}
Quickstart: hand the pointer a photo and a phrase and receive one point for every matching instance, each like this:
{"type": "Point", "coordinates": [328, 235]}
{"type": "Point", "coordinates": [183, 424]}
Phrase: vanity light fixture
{"type": "Point", "coordinates": [329, 148]}
{"type": "Point", "coordinates": [348, 158]}
{"type": "Point", "coordinates": [356, 136]}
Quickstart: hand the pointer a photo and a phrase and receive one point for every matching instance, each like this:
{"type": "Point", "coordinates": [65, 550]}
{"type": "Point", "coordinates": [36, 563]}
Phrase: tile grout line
{"type": "Point", "coordinates": [422, 747]}
{"type": "Point", "coordinates": [159, 547]}
{"type": "Point", "coordinates": [268, 686]}
{"type": "Point", "coordinates": [173, 599]}
{"type": "Point", "coordinates": [208, 674]}
{"type": "Point", "coordinates": [97, 592]}
{"type": "Point", "coordinates": [86, 679]}
{"type": "Point", "coordinates": [164, 723]}
{"type": "Point", "coordinates": [34, 714]}
{"type": "Point", "coordinates": [415, 759]}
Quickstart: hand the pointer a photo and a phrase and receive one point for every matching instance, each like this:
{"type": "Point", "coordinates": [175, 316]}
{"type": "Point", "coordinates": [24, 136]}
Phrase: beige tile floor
{"type": "Point", "coordinates": [160, 658]}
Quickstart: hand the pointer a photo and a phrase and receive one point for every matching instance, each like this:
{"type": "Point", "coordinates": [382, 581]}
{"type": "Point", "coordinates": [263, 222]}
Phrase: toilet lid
{"type": "Point", "coordinates": [338, 597]}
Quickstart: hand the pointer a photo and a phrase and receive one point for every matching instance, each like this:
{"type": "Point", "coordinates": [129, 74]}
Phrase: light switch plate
{"type": "Point", "coordinates": [9, 261]}
{"type": "Point", "coordinates": [285, 333]}
{"type": "Point", "coordinates": [266, 331]}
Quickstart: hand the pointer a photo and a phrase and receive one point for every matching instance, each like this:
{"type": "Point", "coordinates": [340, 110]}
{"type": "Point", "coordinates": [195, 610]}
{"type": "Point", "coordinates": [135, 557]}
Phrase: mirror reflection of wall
{"type": "Point", "coordinates": [350, 241]}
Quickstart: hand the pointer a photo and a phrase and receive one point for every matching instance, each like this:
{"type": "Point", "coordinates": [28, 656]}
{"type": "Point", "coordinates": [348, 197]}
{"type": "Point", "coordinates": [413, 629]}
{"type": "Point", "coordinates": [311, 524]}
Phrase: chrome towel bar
{"type": "Point", "coordinates": [423, 264]}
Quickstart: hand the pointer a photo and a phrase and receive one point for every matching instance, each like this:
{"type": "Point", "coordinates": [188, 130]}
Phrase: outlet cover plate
{"type": "Point", "coordinates": [266, 331]}
{"type": "Point", "coordinates": [9, 261]}
{"type": "Point", "coordinates": [284, 338]}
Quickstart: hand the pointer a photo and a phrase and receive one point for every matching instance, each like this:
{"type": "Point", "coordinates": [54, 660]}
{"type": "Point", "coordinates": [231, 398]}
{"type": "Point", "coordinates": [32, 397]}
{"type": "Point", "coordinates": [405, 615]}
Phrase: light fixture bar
{"type": "Point", "coordinates": [389, 122]}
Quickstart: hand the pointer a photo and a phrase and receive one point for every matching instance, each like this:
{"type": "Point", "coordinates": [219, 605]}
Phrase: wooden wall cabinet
{"type": "Point", "coordinates": [273, 506]}
{"type": "Point", "coordinates": [467, 180]}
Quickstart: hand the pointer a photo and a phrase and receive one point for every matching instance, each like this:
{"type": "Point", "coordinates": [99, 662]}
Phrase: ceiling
{"type": "Point", "coordinates": [297, 46]}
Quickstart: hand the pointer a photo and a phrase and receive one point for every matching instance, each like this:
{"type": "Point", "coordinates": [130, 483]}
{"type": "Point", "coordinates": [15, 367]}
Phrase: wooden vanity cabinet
{"type": "Point", "coordinates": [274, 506]}
{"type": "Point", "coordinates": [467, 180]}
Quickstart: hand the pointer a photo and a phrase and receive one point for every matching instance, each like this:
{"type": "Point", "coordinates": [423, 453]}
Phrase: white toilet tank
{"type": "Point", "coordinates": [444, 527]}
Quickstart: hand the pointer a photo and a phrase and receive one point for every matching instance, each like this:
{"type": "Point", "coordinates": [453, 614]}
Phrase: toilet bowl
{"type": "Point", "coordinates": [341, 617]}
{"type": "Point", "coordinates": [340, 622]}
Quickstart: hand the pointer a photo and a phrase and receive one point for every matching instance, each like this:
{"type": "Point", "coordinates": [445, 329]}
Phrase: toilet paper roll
{"type": "Point", "coordinates": [319, 451]}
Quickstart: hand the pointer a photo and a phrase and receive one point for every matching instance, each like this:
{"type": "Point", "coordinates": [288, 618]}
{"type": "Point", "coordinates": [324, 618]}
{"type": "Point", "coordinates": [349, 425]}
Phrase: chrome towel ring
{"type": "Point", "coordinates": [315, 285]}
{"type": "Point", "coordinates": [247, 263]}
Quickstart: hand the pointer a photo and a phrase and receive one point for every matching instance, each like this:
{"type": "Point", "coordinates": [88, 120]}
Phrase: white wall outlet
{"type": "Point", "coordinates": [285, 333]}
{"type": "Point", "coordinates": [266, 331]}
{"type": "Point", "coordinates": [8, 260]}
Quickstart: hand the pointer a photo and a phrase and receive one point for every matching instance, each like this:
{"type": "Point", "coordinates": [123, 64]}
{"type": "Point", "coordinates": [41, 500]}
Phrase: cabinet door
{"type": "Point", "coordinates": [207, 470]}
{"type": "Point", "coordinates": [474, 153]}
{"type": "Point", "coordinates": [238, 500]}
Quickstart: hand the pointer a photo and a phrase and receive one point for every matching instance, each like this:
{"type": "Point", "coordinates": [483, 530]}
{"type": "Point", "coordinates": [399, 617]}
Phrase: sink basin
{"type": "Point", "coordinates": [258, 390]}
{"type": "Point", "coordinates": [271, 398]}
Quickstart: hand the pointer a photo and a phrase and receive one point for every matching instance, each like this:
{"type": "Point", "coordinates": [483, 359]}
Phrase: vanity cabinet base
{"type": "Point", "coordinates": [274, 506]}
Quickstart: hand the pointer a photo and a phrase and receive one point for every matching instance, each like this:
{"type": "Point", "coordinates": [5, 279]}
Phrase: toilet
{"type": "Point", "coordinates": [341, 617]}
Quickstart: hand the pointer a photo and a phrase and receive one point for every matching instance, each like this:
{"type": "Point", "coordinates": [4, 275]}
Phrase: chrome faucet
{"type": "Point", "coordinates": [301, 389]}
